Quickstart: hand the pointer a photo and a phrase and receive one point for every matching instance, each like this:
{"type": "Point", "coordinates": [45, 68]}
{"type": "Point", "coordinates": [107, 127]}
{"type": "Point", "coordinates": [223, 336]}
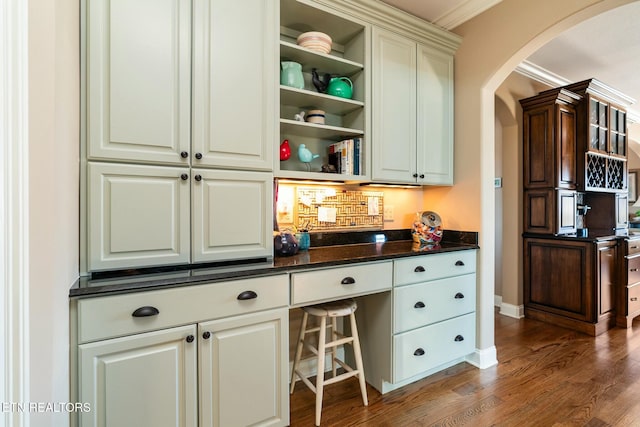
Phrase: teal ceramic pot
{"type": "Point", "coordinates": [291, 74]}
{"type": "Point", "coordinates": [340, 86]}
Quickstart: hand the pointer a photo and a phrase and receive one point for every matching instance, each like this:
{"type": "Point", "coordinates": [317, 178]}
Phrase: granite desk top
{"type": "Point", "coordinates": [333, 253]}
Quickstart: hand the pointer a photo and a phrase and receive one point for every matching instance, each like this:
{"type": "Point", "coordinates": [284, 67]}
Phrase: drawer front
{"type": "Point", "coordinates": [633, 246]}
{"type": "Point", "coordinates": [111, 316]}
{"type": "Point", "coordinates": [430, 267]}
{"type": "Point", "coordinates": [426, 348]}
{"type": "Point", "coordinates": [633, 302]}
{"type": "Point", "coordinates": [633, 269]}
{"type": "Point", "coordinates": [341, 282]}
{"type": "Point", "coordinates": [425, 303]}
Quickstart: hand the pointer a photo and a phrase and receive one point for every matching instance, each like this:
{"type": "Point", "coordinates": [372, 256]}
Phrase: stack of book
{"type": "Point", "coordinates": [346, 156]}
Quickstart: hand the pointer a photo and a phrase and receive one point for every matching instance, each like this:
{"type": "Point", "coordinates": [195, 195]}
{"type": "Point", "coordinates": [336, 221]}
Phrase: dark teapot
{"type": "Point", "coordinates": [285, 244]}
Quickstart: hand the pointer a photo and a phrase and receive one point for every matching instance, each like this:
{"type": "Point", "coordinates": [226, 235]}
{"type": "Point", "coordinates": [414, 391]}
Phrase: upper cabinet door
{"type": "Point", "coordinates": [137, 216]}
{"type": "Point", "coordinates": [234, 83]}
{"type": "Point", "coordinates": [139, 80]}
{"type": "Point", "coordinates": [394, 107]}
{"type": "Point", "coordinates": [232, 215]}
{"type": "Point", "coordinates": [435, 117]}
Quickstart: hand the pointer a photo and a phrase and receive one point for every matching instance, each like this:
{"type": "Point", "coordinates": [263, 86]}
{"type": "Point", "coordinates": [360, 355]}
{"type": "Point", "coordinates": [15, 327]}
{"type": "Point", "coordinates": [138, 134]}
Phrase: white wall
{"type": "Point", "coordinates": [53, 197]}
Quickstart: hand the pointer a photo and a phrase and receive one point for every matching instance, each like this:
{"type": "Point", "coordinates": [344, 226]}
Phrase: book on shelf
{"type": "Point", "coordinates": [346, 156]}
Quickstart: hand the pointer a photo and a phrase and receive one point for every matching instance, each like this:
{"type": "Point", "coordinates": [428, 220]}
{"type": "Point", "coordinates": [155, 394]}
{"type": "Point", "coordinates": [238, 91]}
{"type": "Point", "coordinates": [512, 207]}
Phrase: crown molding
{"type": "Point", "coordinates": [381, 14]}
{"type": "Point", "coordinates": [463, 13]}
{"type": "Point", "coordinates": [544, 76]}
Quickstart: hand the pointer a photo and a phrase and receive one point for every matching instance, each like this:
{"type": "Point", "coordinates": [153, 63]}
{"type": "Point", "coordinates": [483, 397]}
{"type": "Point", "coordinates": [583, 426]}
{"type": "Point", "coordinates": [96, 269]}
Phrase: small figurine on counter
{"type": "Point", "coordinates": [285, 150]}
{"type": "Point", "coordinates": [299, 117]}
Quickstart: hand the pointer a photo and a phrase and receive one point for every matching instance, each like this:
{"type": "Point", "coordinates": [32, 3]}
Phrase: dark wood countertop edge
{"type": "Point", "coordinates": [187, 279]}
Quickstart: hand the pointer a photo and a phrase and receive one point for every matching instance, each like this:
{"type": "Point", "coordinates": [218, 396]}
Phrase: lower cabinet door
{"type": "Point", "coordinates": [147, 379]}
{"type": "Point", "coordinates": [426, 348]}
{"type": "Point", "coordinates": [244, 370]}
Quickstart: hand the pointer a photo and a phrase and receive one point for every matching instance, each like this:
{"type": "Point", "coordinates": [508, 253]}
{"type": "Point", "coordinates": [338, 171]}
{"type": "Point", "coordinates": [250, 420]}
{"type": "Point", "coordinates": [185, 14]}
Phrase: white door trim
{"type": "Point", "coordinates": [14, 210]}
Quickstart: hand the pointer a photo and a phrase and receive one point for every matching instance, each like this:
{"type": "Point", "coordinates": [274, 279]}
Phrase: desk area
{"type": "Point", "coordinates": [204, 317]}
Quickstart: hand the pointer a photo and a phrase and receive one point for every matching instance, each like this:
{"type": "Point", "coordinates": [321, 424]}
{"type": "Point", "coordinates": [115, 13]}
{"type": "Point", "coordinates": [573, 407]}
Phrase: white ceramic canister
{"type": "Point", "coordinates": [315, 116]}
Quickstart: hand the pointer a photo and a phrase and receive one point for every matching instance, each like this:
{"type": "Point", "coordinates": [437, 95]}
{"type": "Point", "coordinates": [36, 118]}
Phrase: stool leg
{"type": "Point", "coordinates": [334, 349]}
{"type": "Point", "coordinates": [358, 355]}
{"type": "Point", "coordinates": [322, 337]}
{"type": "Point", "coordinates": [299, 345]}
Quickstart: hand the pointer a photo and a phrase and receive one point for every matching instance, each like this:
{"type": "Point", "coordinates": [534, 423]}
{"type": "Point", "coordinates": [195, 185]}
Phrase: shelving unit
{"type": "Point", "coordinates": [344, 118]}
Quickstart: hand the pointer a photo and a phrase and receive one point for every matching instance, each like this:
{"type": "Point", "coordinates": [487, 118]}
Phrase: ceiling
{"type": "Point", "coordinates": [602, 47]}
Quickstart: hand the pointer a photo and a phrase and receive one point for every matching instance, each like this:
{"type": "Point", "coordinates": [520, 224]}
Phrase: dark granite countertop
{"type": "Point", "coordinates": [334, 253]}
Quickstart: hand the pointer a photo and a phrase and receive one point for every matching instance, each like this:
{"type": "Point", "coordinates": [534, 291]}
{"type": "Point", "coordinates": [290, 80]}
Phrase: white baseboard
{"type": "Point", "coordinates": [483, 359]}
{"type": "Point", "coordinates": [510, 310]}
{"type": "Point", "coordinates": [497, 300]}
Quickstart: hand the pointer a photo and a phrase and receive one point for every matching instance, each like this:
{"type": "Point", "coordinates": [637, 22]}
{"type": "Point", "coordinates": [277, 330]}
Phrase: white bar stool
{"type": "Point", "coordinates": [331, 310]}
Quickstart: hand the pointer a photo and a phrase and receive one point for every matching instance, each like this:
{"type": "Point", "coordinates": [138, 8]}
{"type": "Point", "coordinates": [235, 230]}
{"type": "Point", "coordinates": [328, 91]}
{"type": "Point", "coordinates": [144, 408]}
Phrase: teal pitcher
{"type": "Point", "coordinates": [291, 74]}
{"type": "Point", "coordinates": [340, 86]}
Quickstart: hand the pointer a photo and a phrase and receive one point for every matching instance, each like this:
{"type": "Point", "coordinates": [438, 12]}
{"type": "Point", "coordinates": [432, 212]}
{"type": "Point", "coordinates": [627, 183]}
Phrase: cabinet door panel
{"type": "Point", "coordinates": [244, 371]}
{"type": "Point", "coordinates": [138, 80]}
{"type": "Point", "coordinates": [137, 216]}
{"type": "Point", "coordinates": [235, 106]}
{"type": "Point", "coordinates": [232, 215]}
{"type": "Point", "coordinates": [140, 380]}
{"type": "Point", "coordinates": [435, 116]}
{"type": "Point", "coordinates": [394, 107]}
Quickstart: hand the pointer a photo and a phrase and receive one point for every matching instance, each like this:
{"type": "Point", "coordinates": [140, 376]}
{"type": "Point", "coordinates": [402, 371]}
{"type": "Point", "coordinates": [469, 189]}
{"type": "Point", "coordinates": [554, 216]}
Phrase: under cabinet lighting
{"type": "Point", "coordinates": [375, 184]}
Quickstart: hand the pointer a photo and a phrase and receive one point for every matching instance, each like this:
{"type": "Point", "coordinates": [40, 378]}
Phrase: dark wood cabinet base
{"type": "Point", "coordinates": [593, 329]}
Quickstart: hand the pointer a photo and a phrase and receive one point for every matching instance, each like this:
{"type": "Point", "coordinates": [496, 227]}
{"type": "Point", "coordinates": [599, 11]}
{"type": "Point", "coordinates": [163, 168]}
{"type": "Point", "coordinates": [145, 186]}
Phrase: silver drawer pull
{"type": "Point", "coordinates": [419, 304]}
{"type": "Point", "coordinates": [419, 269]}
{"type": "Point", "coordinates": [145, 311]}
{"type": "Point", "coordinates": [348, 281]}
{"type": "Point", "coordinates": [247, 295]}
{"type": "Point", "coordinates": [418, 352]}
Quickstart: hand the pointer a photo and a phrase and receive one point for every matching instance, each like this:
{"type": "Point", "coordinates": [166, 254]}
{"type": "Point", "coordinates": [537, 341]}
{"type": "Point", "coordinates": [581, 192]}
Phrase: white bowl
{"type": "Point", "coordinates": [316, 41]}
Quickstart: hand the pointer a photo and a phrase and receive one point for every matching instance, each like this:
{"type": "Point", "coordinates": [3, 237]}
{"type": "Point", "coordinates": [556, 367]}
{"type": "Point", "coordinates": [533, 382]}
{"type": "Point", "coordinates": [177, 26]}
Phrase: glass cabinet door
{"type": "Point", "coordinates": [618, 132]}
{"type": "Point", "coordinates": [598, 126]}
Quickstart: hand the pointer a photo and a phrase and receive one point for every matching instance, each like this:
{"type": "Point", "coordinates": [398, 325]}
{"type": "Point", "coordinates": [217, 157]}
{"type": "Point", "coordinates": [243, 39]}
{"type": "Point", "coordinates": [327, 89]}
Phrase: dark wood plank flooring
{"type": "Point", "coordinates": [547, 376]}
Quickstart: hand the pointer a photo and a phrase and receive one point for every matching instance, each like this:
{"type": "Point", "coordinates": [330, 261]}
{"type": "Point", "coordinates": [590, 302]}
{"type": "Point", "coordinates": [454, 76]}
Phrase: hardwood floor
{"type": "Point", "coordinates": [546, 376]}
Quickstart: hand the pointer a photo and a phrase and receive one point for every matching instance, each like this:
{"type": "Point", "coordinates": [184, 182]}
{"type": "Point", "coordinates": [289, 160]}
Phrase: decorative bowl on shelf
{"type": "Point", "coordinates": [316, 41]}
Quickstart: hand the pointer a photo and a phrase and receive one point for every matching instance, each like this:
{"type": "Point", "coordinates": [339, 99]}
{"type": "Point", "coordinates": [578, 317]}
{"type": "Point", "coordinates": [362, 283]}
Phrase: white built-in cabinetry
{"type": "Point", "coordinates": [179, 95]}
{"type": "Point", "coordinates": [165, 358]}
{"type": "Point", "coordinates": [412, 99]}
{"type": "Point", "coordinates": [428, 325]}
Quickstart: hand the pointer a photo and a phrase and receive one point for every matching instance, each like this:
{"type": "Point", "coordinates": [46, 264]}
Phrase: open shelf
{"type": "Point", "coordinates": [306, 99]}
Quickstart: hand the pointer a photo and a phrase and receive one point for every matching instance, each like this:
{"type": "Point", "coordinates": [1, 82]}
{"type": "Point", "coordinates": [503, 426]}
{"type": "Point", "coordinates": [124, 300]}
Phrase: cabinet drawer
{"type": "Point", "coordinates": [633, 269]}
{"type": "Point", "coordinates": [340, 282]}
{"type": "Point", "coordinates": [633, 247]}
{"type": "Point", "coordinates": [428, 347]}
{"type": "Point", "coordinates": [633, 302]}
{"type": "Point", "coordinates": [429, 267]}
{"type": "Point", "coordinates": [110, 316]}
{"type": "Point", "coordinates": [425, 303]}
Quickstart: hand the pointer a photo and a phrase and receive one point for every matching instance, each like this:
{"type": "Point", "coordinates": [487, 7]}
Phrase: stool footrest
{"type": "Point", "coordinates": [341, 377]}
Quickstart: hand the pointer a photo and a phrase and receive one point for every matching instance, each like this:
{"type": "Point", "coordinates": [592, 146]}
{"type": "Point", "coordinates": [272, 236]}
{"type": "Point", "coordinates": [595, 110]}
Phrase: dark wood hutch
{"type": "Point", "coordinates": [577, 255]}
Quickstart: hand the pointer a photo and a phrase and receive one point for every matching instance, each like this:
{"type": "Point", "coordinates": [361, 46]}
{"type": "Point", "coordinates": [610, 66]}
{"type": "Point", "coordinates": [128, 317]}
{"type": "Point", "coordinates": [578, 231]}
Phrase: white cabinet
{"type": "Point", "coordinates": [243, 382]}
{"type": "Point", "coordinates": [427, 325]}
{"type": "Point", "coordinates": [412, 104]}
{"type": "Point", "coordinates": [226, 365]}
{"type": "Point", "coordinates": [147, 63]}
{"type": "Point", "coordinates": [141, 380]}
{"type": "Point", "coordinates": [235, 45]}
{"type": "Point", "coordinates": [137, 215]}
{"type": "Point", "coordinates": [138, 68]}
{"type": "Point", "coordinates": [231, 214]}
